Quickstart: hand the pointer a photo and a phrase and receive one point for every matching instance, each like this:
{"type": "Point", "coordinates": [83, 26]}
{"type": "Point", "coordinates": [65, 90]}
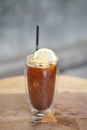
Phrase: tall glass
{"type": "Point", "coordinates": [40, 78]}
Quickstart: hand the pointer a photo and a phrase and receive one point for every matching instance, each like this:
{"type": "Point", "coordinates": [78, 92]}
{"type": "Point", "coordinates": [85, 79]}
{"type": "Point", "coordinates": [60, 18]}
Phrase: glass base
{"type": "Point", "coordinates": [39, 113]}
{"type": "Point", "coordinates": [43, 116]}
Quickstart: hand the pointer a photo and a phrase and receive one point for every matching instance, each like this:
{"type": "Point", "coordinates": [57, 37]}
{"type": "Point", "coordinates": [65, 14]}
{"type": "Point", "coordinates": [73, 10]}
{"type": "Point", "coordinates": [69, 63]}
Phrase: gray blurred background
{"type": "Point", "coordinates": [63, 28]}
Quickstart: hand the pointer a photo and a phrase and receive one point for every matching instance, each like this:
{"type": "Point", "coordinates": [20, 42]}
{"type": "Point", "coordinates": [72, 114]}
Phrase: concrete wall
{"type": "Point", "coordinates": [62, 23]}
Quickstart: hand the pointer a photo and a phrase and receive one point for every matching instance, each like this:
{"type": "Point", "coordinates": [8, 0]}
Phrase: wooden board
{"type": "Point", "coordinates": [70, 105]}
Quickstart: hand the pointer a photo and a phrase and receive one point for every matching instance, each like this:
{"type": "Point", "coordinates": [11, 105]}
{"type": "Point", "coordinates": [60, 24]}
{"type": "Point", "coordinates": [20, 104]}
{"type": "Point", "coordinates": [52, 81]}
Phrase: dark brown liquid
{"type": "Point", "coordinates": [41, 85]}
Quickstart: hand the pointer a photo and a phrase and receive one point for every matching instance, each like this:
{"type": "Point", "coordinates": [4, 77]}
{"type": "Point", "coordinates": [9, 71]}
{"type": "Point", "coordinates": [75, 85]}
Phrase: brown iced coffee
{"type": "Point", "coordinates": [41, 85]}
{"type": "Point", "coordinates": [41, 75]}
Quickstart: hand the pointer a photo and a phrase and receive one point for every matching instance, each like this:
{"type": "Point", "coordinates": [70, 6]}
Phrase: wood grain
{"type": "Point", "coordinates": [70, 105]}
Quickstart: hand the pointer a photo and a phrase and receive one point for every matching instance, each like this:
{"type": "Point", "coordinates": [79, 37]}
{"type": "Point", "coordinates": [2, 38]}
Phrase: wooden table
{"type": "Point", "coordinates": [70, 105]}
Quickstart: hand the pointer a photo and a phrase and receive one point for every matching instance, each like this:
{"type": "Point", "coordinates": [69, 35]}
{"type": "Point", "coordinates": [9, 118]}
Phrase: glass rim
{"type": "Point", "coordinates": [30, 56]}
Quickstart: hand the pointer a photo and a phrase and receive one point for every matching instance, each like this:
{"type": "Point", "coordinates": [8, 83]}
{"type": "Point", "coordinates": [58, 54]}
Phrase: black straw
{"type": "Point", "coordinates": [37, 37]}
